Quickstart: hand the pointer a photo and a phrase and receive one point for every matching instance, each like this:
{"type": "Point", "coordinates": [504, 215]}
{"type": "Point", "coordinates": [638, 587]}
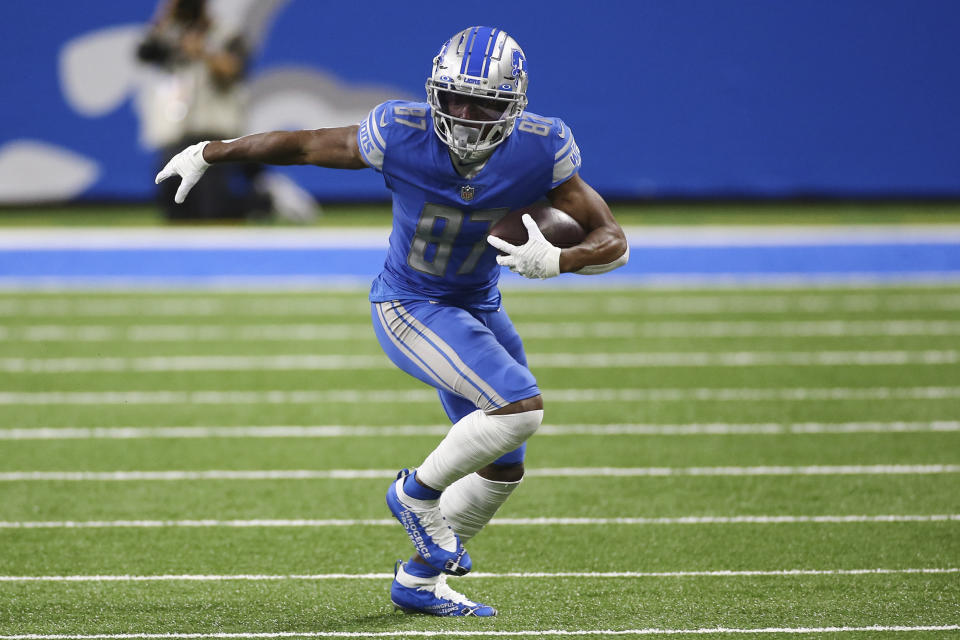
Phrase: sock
{"type": "Point", "coordinates": [413, 574]}
{"type": "Point", "coordinates": [416, 490]}
{"type": "Point", "coordinates": [420, 570]}
{"type": "Point", "coordinates": [474, 442]}
{"type": "Point", "coordinates": [470, 502]}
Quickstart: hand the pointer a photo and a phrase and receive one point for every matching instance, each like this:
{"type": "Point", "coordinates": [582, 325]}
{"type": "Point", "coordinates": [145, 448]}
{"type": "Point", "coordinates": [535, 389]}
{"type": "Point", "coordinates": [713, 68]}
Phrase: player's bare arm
{"type": "Point", "coordinates": [605, 242]}
{"type": "Point", "coordinates": [333, 148]}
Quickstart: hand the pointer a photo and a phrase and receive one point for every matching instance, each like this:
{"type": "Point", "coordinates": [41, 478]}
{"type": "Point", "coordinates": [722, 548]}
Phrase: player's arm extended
{"type": "Point", "coordinates": [335, 148]}
{"type": "Point", "coordinates": [605, 247]}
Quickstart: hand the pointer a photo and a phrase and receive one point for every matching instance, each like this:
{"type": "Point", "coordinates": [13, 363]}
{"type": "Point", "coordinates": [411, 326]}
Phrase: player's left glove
{"type": "Point", "coordinates": [535, 259]}
{"type": "Point", "coordinates": [189, 165]}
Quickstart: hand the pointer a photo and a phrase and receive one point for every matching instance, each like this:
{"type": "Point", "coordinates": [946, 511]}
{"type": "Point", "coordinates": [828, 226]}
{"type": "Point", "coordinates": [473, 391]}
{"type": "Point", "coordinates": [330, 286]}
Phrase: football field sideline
{"type": "Point", "coordinates": [265, 257]}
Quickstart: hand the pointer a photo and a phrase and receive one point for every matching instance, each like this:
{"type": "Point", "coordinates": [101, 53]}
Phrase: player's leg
{"type": "Point", "coordinates": [453, 351]}
{"type": "Point", "coordinates": [471, 502]}
{"type": "Point", "coordinates": [468, 505]}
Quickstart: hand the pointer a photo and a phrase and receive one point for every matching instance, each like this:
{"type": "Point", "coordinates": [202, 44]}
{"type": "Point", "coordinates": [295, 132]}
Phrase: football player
{"type": "Point", "coordinates": [456, 164]}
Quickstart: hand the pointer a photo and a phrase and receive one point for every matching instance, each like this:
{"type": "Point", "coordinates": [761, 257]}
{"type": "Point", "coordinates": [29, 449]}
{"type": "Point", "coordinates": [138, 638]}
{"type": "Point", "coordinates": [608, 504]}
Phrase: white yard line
{"type": "Point", "coordinates": [356, 431]}
{"type": "Point", "coordinates": [575, 286]}
{"type": "Point", "coordinates": [546, 575]}
{"type": "Point", "coordinates": [536, 633]}
{"type": "Point", "coordinates": [531, 330]}
{"type": "Point", "coordinates": [306, 362]}
{"type": "Point", "coordinates": [321, 305]}
{"type": "Point", "coordinates": [518, 522]}
{"type": "Point", "coordinates": [563, 472]}
{"type": "Point", "coordinates": [192, 332]}
{"type": "Point", "coordinates": [327, 362]}
{"type": "Point", "coordinates": [177, 306]}
{"type": "Point", "coordinates": [389, 396]}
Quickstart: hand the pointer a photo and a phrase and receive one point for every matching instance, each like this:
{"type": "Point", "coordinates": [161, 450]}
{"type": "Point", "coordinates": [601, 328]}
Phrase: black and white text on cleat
{"type": "Point", "coordinates": [453, 567]}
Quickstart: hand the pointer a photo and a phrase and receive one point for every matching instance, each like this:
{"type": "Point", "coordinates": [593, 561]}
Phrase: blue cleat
{"type": "Point", "coordinates": [432, 537]}
{"type": "Point", "coordinates": [413, 594]}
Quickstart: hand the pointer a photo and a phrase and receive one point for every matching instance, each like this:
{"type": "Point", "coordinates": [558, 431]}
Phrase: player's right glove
{"type": "Point", "coordinates": [189, 165]}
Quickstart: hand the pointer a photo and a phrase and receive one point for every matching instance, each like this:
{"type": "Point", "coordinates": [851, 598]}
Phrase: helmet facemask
{"type": "Point", "coordinates": [472, 121]}
{"type": "Point", "coordinates": [472, 114]}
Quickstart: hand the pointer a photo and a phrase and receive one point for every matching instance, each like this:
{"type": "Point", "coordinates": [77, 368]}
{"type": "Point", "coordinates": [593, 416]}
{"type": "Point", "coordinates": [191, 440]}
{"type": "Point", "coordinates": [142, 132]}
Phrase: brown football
{"type": "Point", "coordinates": [557, 227]}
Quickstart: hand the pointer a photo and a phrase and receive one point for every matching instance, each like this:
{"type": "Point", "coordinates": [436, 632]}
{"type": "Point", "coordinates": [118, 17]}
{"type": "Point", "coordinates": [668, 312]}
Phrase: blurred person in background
{"type": "Point", "coordinates": [200, 96]}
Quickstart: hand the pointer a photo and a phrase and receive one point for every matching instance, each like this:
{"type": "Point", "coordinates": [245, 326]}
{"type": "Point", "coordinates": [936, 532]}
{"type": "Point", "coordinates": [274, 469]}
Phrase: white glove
{"type": "Point", "coordinates": [189, 165]}
{"type": "Point", "coordinates": [535, 259]}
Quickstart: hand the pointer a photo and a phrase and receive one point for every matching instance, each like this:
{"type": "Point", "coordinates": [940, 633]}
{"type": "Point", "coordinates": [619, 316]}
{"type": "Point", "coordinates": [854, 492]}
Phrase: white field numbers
{"type": "Point", "coordinates": [453, 219]}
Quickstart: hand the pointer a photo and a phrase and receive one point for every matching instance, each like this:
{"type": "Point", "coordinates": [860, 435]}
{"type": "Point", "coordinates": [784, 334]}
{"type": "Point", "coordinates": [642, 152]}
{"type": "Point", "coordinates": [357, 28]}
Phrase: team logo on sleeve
{"type": "Point", "coordinates": [467, 192]}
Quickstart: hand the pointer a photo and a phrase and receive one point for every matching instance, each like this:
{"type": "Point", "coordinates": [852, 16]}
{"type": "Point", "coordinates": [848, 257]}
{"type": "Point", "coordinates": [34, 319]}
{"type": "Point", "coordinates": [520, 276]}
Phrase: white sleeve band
{"type": "Point", "coordinates": [596, 269]}
{"type": "Point", "coordinates": [371, 142]}
{"type": "Point", "coordinates": [566, 162]}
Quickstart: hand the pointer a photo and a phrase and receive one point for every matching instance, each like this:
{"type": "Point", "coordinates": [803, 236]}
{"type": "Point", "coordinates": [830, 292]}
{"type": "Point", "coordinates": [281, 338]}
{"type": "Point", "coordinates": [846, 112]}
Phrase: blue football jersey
{"type": "Point", "coordinates": [438, 247]}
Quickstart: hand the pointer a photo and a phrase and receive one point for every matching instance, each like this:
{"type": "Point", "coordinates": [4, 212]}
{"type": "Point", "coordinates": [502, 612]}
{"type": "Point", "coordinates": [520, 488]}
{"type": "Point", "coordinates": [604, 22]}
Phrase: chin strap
{"type": "Point", "coordinates": [596, 269]}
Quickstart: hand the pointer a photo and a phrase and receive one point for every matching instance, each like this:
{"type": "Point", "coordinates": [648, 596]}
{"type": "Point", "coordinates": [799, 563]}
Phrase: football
{"type": "Point", "coordinates": [557, 227]}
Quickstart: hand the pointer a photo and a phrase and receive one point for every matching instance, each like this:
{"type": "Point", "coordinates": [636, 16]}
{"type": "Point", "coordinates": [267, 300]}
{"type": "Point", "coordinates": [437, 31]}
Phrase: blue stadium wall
{"type": "Point", "coordinates": [667, 98]}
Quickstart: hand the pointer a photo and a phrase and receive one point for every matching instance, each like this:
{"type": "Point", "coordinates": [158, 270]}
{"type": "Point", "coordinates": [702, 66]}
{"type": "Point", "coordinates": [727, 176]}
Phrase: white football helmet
{"type": "Point", "coordinates": [477, 90]}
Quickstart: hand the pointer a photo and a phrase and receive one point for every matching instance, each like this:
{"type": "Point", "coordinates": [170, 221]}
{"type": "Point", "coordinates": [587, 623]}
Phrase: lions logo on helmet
{"type": "Point", "coordinates": [477, 90]}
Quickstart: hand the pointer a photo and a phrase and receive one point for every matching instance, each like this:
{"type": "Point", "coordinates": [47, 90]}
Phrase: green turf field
{"type": "Point", "coordinates": [713, 461]}
{"type": "Point", "coordinates": [655, 213]}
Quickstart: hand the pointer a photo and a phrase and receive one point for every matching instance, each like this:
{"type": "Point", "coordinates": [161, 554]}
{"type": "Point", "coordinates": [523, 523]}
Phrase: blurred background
{"type": "Point", "coordinates": [681, 100]}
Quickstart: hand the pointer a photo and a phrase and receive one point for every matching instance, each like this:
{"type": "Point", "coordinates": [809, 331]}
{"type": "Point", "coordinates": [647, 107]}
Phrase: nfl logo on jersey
{"type": "Point", "coordinates": [467, 192]}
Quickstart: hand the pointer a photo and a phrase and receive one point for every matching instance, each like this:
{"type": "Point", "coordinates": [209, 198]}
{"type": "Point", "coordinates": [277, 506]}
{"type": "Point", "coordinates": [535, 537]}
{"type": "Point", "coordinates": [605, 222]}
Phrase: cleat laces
{"type": "Point", "coordinates": [442, 590]}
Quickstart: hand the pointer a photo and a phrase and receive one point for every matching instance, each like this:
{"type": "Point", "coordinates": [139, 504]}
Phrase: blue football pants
{"type": "Point", "coordinates": [474, 359]}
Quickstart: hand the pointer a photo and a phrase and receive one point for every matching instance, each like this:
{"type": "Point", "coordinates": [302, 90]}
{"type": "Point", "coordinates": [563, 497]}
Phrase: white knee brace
{"type": "Point", "coordinates": [470, 502]}
{"type": "Point", "coordinates": [474, 442]}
